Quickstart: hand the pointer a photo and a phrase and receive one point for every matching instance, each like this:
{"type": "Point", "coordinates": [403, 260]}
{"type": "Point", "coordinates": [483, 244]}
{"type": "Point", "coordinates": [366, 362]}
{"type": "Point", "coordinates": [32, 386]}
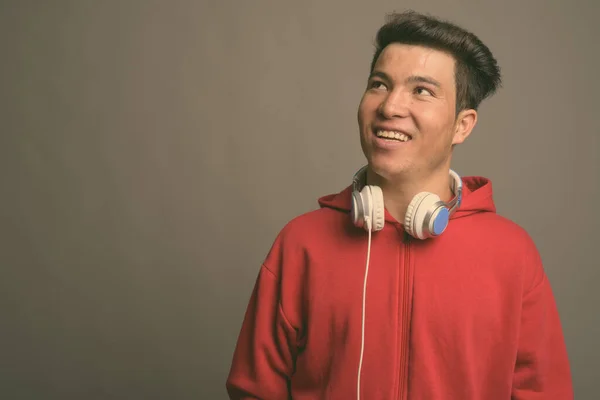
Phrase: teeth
{"type": "Point", "coordinates": [393, 135]}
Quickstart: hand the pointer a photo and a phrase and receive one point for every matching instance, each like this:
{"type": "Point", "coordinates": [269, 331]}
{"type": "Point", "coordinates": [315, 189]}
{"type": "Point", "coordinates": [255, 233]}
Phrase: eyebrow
{"type": "Point", "coordinates": [410, 79]}
{"type": "Point", "coordinates": [423, 79]}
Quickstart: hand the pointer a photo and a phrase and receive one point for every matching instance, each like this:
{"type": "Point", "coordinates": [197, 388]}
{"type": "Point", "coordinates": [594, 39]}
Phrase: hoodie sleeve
{"type": "Point", "coordinates": [265, 352]}
{"type": "Point", "coordinates": [542, 367]}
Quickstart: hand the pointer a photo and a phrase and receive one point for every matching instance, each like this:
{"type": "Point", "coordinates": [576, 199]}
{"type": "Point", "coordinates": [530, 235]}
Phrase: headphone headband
{"type": "Point", "coordinates": [359, 179]}
{"type": "Point", "coordinates": [427, 215]}
{"type": "Point", "coordinates": [457, 189]}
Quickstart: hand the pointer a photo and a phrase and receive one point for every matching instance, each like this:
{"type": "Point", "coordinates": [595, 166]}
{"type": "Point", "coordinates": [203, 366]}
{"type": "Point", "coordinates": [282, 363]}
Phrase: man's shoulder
{"type": "Point", "coordinates": [307, 233]}
{"type": "Point", "coordinates": [492, 230]}
{"type": "Point", "coordinates": [312, 223]}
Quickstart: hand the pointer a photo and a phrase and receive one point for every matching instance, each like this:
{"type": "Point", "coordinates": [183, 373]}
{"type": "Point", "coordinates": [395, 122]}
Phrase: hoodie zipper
{"type": "Point", "coordinates": [404, 318]}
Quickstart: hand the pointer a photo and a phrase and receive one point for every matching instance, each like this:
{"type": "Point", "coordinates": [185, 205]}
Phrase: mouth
{"type": "Point", "coordinates": [393, 135]}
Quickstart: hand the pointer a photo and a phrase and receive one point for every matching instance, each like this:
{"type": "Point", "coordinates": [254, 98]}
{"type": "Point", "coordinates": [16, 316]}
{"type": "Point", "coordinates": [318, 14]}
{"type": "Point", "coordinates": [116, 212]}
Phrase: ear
{"type": "Point", "coordinates": [465, 122]}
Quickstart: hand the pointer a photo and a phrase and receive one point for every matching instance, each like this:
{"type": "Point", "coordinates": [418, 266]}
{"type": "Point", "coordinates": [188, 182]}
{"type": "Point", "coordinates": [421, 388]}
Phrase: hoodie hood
{"type": "Point", "coordinates": [477, 197]}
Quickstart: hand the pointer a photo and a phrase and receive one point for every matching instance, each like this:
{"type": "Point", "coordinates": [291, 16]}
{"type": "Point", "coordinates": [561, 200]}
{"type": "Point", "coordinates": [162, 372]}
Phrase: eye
{"type": "Point", "coordinates": [423, 91]}
{"type": "Point", "coordinates": [377, 85]}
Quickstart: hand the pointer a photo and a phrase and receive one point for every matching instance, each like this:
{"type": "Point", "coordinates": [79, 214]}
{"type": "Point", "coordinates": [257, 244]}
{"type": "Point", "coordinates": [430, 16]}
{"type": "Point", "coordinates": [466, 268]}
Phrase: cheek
{"type": "Point", "coordinates": [435, 123]}
{"type": "Point", "coordinates": [367, 108]}
{"type": "Point", "coordinates": [361, 112]}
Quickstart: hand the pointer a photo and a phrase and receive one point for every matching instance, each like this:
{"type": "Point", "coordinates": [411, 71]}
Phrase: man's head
{"type": "Point", "coordinates": [426, 82]}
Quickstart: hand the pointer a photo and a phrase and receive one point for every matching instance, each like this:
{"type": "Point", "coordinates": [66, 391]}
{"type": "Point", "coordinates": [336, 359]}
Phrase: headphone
{"type": "Point", "coordinates": [426, 216]}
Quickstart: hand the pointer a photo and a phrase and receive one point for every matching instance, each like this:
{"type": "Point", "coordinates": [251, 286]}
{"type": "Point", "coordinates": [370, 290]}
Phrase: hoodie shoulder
{"type": "Point", "coordinates": [305, 233]}
{"type": "Point", "coordinates": [479, 199]}
{"type": "Point", "coordinates": [332, 209]}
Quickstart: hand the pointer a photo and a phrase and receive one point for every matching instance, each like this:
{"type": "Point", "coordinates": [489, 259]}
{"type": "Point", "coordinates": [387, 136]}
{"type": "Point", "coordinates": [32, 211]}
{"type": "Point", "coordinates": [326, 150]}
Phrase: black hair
{"type": "Point", "coordinates": [477, 73]}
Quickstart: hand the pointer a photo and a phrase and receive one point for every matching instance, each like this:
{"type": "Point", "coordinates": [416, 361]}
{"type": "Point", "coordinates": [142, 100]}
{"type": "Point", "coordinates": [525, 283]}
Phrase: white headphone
{"type": "Point", "coordinates": [426, 216]}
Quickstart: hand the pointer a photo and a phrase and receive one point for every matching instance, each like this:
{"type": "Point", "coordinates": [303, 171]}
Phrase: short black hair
{"type": "Point", "coordinates": [477, 73]}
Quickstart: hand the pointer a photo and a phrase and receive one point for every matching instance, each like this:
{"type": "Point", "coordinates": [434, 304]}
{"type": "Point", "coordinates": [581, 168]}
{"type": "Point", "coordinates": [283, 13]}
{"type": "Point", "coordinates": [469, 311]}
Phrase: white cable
{"type": "Point", "coordinates": [364, 299]}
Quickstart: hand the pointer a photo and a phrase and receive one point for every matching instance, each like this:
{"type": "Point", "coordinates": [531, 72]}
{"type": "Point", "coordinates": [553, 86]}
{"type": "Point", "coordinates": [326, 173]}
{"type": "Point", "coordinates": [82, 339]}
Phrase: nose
{"type": "Point", "coordinates": [394, 105]}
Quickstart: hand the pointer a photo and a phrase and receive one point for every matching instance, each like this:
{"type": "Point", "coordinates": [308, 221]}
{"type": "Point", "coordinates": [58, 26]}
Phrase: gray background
{"type": "Point", "coordinates": [152, 150]}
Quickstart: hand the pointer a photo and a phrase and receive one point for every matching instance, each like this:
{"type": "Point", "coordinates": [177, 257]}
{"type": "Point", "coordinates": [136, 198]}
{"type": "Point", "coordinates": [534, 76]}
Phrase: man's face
{"type": "Point", "coordinates": [407, 115]}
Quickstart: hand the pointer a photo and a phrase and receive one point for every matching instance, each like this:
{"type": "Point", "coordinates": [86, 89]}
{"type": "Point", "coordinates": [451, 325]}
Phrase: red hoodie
{"type": "Point", "coordinates": [466, 315]}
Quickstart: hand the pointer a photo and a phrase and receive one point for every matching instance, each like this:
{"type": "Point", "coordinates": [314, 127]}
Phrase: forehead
{"type": "Point", "coordinates": [399, 60]}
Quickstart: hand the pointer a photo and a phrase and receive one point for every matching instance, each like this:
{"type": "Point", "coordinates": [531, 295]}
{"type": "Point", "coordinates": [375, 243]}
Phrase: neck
{"type": "Point", "coordinates": [399, 191]}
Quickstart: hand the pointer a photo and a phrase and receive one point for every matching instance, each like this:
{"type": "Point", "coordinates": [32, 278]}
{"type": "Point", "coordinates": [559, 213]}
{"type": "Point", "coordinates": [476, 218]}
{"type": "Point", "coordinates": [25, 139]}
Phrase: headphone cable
{"type": "Point", "coordinates": [364, 299]}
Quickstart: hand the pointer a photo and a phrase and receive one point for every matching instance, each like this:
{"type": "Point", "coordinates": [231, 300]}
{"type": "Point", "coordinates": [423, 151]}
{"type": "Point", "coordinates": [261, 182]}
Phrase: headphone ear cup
{"type": "Point", "coordinates": [377, 208]}
{"type": "Point", "coordinates": [416, 213]}
{"type": "Point", "coordinates": [361, 207]}
{"type": "Point", "coordinates": [368, 203]}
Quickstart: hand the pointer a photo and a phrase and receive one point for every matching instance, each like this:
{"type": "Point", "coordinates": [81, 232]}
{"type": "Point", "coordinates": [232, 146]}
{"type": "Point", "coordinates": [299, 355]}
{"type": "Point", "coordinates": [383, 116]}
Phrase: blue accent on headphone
{"type": "Point", "coordinates": [441, 221]}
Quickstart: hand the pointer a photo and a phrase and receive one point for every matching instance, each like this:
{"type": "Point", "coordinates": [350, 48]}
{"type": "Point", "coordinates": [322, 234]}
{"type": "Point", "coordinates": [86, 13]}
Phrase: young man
{"type": "Point", "coordinates": [407, 284]}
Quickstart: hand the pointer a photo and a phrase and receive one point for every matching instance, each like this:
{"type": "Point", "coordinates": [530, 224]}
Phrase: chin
{"type": "Point", "coordinates": [388, 168]}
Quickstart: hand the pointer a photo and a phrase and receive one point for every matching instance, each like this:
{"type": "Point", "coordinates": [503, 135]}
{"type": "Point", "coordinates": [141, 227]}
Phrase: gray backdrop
{"type": "Point", "coordinates": [152, 150]}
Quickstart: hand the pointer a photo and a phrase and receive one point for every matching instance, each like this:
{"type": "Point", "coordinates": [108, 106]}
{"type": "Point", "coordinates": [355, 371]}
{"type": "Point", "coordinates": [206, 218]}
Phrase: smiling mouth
{"type": "Point", "coordinates": [393, 135]}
